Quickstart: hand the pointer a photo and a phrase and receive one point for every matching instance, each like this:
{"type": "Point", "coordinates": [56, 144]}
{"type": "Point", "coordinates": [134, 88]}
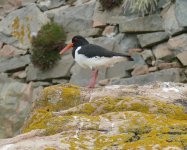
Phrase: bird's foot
{"type": "Point", "coordinates": [91, 85]}
{"type": "Point", "coordinates": [93, 79]}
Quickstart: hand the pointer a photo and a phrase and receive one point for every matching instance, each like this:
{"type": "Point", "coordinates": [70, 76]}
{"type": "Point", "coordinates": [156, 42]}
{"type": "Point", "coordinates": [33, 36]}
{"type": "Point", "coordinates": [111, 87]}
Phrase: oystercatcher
{"type": "Point", "coordinates": [92, 56]}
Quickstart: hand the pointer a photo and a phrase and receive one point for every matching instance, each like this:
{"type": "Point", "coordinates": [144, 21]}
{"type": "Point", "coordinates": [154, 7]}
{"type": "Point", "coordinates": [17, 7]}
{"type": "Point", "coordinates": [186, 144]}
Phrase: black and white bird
{"type": "Point", "coordinates": [92, 56]}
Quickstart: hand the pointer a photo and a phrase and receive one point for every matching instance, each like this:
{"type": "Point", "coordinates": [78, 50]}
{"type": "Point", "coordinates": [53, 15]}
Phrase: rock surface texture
{"type": "Point", "coordinates": [15, 104]}
{"type": "Point", "coordinates": [115, 117]}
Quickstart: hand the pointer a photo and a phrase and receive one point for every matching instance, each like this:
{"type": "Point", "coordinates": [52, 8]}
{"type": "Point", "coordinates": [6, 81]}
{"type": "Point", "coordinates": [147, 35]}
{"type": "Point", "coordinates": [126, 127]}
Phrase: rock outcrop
{"type": "Point", "coordinates": [115, 117]}
{"type": "Point", "coordinates": [15, 105]}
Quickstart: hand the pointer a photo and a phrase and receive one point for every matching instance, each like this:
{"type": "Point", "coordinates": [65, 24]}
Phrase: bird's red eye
{"type": "Point", "coordinates": [75, 39]}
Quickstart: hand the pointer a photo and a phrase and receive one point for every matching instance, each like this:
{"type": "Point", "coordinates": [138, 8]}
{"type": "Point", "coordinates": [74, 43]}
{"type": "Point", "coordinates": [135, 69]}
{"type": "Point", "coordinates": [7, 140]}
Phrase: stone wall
{"type": "Point", "coordinates": [157, 43]}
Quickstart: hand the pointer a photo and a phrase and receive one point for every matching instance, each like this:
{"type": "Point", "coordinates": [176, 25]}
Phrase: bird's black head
{"type": "Point", "coordinates": [79, 41]}
{"type": "Point", "coordinates": [76, 42]}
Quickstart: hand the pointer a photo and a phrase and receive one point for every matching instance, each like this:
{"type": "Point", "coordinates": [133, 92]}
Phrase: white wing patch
{"type": "Point", "coordinates": [96, 62]}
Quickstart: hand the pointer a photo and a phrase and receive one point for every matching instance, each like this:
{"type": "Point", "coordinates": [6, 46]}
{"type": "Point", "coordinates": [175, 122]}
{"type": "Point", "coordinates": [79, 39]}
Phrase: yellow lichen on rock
{"type": "Point", "coordinates": [59, 97]}
{"type": "Point", "coordinates": [108, 123]}
{"type": "Point", "coordinates": [53, 98]}
{"type": "Point", "coordinates": [37, 120]}
{"type": "Point", "coordinates": [50, 148]}
{"type": "Point", "coordinates": [152, 106]}
{"type": "Point", "coordinates": [20, 30]}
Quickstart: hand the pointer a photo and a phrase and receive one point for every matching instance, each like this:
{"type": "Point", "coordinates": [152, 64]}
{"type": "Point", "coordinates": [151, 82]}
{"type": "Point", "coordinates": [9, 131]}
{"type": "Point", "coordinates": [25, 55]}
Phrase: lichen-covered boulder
{"type": "Point", "coordinates": [115, 117]}
{"type": "Point", "coordinates": [18, 26]}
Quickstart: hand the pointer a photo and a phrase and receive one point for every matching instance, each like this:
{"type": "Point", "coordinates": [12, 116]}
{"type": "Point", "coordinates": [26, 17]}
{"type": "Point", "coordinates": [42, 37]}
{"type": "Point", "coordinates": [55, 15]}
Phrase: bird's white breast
{"type": "Point", "coordinates": [96, 62]}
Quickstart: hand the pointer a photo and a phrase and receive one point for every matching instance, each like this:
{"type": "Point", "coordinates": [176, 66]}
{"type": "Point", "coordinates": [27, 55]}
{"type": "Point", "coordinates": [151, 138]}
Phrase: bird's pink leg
{"type": "Point", "coordinates": [93, 79]}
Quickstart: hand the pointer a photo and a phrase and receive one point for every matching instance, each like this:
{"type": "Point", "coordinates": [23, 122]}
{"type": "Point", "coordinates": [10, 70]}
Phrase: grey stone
{"type": "Point", "coordinates": [127, 65]}
{"type": "Point", "coordinates": [178, 43]}
{"type": "Point", "coordinates": [165, 65]}
{"type": "Point", "coordinates": [157, 62]}
{"type": "Point", "coordinates": [118, 70]}
{"type": "Point", "coordinates": [143, 24]}
{"type": "Point", "coordinates": [74, 19]}
{"type": "Point", "coordinates": [81, 76]}
{"type": "Point", "coordinates": [185, 71]}
{"type": "Point", "coordinates": [14, 63]}
{"type": "Point", "coordinates": [101, 17]}
{"type": "Point", "coordinates": [138, 59]}
{"type": "Point", "coordinates": [162, 51]}
{"type": "Point", "coordinates": [79, 2]}
{"type": "Point", "coordinates": [18, 26]}
{"type": "Point", "coordinates": [93, 32]}
{"type": "Point", "coordinates": [9, 51]}
{"type": "Point", "coordinates": [150, 39]}
{"type": "Point", "coordinates": [183, 58]}
{"type": "Point", "coordinates": [181, 12]}
{"type": "Point", "coordinates": [36, 93]}
{"type": "Point", "coordinates": [1, 44]}
{"type": "Point", "coordinates": [167, 75]}
{"type": "Point", "coordinates": [153, 69]}
{"type": "Point", "coordinates": [124, 42]}
{"type": "Point", "coordinates": [148, 56]}
{"type": "Point", "coordinates": [15, 104]}
{"type": "Point", "coordinates": [50, 4]}
{"type": "Point", "coordinates": [106, 42]}
{"type": "Point", "coordinates": [170, 21]}
{"type": "Point", "coordinates": [19, 74]}
{"type": "Point", "coordinates": [61, 69]}
{"type": "Point", "coordinates": [27, 2]}
{"type": "Point", "coordinates": [115, 20]}
{"type": "Point", "coordinates": [120, 43]}
{"type": "Point", "coordinates": [7, 38]}
{"type": "Point", "coordinates": [140, 70]}
{"type": "Point", "coordinates": [59, 81]}
{"type": "Point", "coordinates": [163, 3]}
{"type": "Point", "coordinates": [110, 31]}
{"type": "Point", "coordinates": [40, 84]}
{"type": "Point", "coordinates": [8, 6]}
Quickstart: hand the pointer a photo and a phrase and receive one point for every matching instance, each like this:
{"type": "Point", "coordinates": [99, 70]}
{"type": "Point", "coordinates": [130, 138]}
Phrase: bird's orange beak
{"type": "Point", "coordinates": [65, 49]}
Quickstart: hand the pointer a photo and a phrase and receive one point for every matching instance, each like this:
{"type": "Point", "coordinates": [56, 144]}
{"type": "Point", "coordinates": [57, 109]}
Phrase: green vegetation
{"type": "Point", "coordinates": [110, 4]}
{"type": "Point", "coordinates": [47, 44]}
{"type": "Point", "coordinates": [143, 7]}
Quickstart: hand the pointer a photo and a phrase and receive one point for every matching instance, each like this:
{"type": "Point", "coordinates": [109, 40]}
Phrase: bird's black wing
{"type": "Point", "coordinates": [91, 50]}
